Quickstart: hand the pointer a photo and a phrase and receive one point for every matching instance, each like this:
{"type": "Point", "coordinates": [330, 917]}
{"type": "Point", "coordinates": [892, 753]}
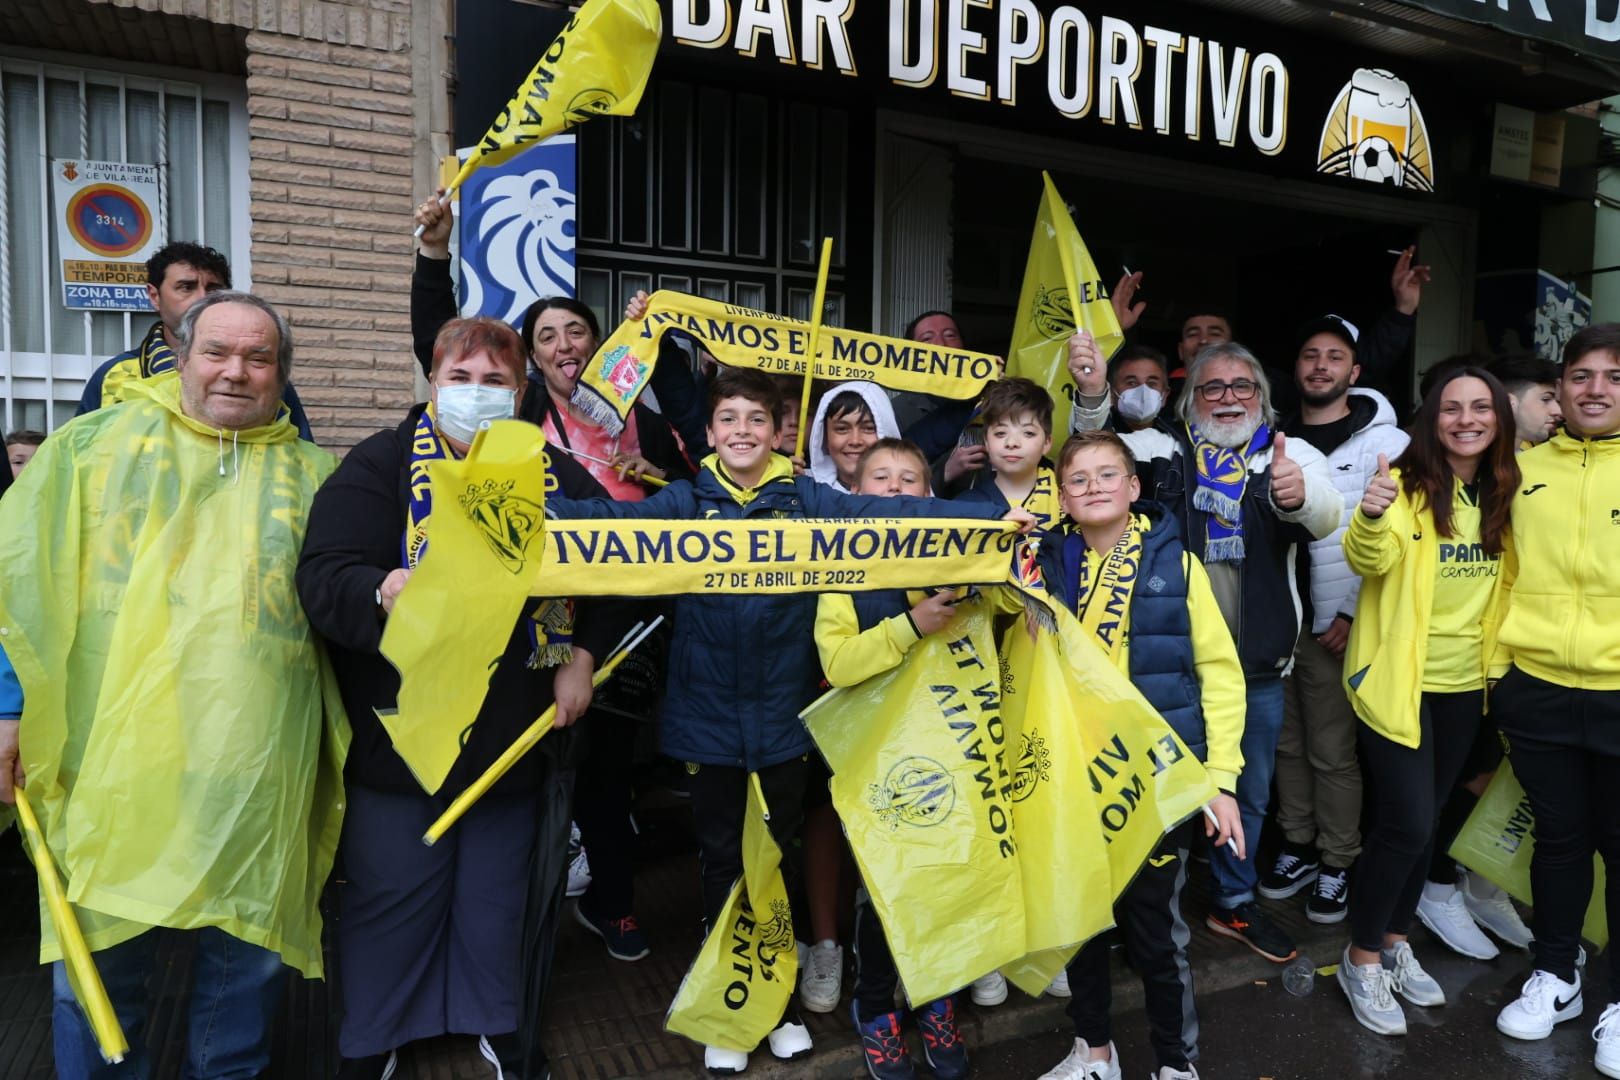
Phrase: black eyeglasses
{"type": "Point", "coordinates": [1242, 390]}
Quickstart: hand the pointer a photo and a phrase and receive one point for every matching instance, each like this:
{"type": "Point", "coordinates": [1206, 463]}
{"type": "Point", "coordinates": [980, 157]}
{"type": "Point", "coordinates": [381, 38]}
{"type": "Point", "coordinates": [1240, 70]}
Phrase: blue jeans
{"type": "Point", "coordinates": [236, 988]}
{"type": "Point", "coordinates": [1235, 879]}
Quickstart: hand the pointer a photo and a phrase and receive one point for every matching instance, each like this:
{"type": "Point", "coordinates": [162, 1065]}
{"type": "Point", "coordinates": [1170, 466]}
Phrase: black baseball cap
{"type": "Point", "coordinates": [1341, 328]}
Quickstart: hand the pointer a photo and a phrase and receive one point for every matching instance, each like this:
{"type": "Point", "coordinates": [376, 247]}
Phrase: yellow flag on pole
{"type": "Point", "coordinates": [454, 617]}
{"type": "Point", "coordinates": [1063, 291]}
{"type": "Point", "coordinates": [597, 66]}
{"type": "Point", "coordinates": [922, 780]}
{"type": "Point", "coordinates": [740, 983]}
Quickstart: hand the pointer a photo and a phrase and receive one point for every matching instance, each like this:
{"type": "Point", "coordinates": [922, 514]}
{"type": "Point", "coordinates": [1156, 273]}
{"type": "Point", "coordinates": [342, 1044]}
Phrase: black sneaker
{"type": "Point", "coordinates": [1330, 899]}
{"type": "Point", "coordinates": [1248, 924]}
{"type": "Point", "coordinates": [1295, 868]}
{"type": "Point", "coordinates": [623, 937]}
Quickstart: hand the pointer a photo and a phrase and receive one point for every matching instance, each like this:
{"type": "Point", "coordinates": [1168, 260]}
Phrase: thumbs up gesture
{"type": "Point", "coordinates": [1380, 491]}
{"type": "Point", "coordinates": [1287, 478]}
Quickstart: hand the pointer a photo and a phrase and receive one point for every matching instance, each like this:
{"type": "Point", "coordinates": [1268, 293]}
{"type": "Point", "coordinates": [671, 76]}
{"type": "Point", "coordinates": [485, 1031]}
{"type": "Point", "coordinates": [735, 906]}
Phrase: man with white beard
{"type": "Point", "coordinates": [1245, 498]}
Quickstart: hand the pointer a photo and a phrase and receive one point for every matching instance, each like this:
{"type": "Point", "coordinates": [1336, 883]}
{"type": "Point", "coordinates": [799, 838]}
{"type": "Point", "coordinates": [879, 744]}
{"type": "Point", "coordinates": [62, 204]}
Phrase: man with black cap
{"type": "Point", "coordinates": [1318, 775]}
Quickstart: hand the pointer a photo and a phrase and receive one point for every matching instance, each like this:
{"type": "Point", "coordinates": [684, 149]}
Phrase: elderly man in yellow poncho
{"type": "Point", "coordinates": [172, 717]}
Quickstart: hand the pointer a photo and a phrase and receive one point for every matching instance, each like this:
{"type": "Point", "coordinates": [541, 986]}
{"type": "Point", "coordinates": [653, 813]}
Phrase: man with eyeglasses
{"type": "Point", "coordinates": [1245, 499]}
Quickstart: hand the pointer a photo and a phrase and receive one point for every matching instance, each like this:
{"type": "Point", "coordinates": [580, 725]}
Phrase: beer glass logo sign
{"type": "Point", "coordinates": [1375, 132]}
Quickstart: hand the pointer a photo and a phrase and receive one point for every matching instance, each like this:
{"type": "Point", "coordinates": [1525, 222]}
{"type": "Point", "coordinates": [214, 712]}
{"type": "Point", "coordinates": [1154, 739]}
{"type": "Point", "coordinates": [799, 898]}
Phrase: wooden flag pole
{"type": "Point", "coordinates": [813, 347]}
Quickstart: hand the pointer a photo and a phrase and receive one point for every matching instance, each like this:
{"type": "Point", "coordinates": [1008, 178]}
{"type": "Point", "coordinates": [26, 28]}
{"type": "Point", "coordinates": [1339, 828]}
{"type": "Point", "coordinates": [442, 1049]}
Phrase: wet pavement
{"type": "Point", "coordinates": [1259, 1030]}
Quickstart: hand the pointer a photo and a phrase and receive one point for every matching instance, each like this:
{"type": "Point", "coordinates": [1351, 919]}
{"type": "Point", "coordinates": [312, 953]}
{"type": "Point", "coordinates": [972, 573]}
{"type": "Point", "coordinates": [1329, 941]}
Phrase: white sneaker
{"type": "Point", "coordinates": [989, 990]}
{"type": "Point", "coordinates": [488, 1053]}
{"type": "Point", "coordinates": [1448, 920]}
{"type": "Point", "coordinates": [1077, 1067]}
{"type": "Point", "coordinates": [1060, 985]}
{"type": "Point", "coordinates": [579, 874]}
{"type": "Point", "coordinates": [1170, 1072]}
{"type": "Point", "coordinates": [1493, 909]}
{"type": "Point", "coordinates": [1545, 1000]}
{"type": "Point", "coordinates": [1369, 988]}
{"type": "Point", "coordinates": [1607, 1034]}
{"type": "Point", "coordinates": [1408, 979]}
{"type": "Point", "coordinates": [821, 981]}
{"type": "Point", "coordinates": [790, 1040]}
{"type": "Point", "coordinates": [718, 1059]}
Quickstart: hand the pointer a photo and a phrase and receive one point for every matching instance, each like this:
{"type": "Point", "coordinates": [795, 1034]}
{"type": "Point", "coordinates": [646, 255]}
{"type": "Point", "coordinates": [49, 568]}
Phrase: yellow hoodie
{"type": "Point", "coordinates": [1398, 556]}
{"type": "Point", "coordinates": [1562, 567]}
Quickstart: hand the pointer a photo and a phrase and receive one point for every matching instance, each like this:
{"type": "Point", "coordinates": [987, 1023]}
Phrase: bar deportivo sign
{"type": "Point", "coordinates": [1012, 53]}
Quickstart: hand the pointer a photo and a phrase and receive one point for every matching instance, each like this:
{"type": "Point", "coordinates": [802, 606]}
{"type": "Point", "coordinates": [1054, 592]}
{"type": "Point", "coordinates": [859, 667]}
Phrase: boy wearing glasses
{"type": "Point", "coordinates": [1130, 581]}
{"type": "Point", "coordinates": [1245, 500]}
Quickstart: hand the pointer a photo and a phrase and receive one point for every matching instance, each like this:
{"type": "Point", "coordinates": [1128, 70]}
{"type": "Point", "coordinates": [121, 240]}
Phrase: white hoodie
{"type": "Point", "coordinates": [822, 466]}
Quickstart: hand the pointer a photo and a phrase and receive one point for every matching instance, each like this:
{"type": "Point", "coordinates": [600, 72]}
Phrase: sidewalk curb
{"type": "Point", "coordinates": [1023, 1016]}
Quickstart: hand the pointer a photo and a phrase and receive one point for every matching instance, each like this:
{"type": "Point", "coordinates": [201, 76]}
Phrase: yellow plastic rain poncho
{"type": "Point", "coordinates": [182, 737]}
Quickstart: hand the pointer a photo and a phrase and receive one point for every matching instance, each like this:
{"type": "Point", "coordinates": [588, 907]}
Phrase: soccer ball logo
{"type": "Point", "coordinates": [1375, 132]}
{"type": "Point", "coordinates": [1376, 160]}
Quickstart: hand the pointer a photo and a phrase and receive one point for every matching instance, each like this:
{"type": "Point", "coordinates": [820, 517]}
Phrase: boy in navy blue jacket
{"type": "Point", "coordinates": [741, 667]}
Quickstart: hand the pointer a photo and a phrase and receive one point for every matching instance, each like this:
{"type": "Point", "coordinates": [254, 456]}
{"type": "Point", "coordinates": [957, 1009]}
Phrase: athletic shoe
{"type": "Point", "coordinates": [989, 990]}
{"type": "Point", "coordinates": [790, 1040]}
{"type": "Point", "coordinates": [1060, 985]}
{"type": "Point", "coordinates": [1295, 868]}
{"type": "Point", "coordinates": [623, 937]}
{"type": "Point", "coordinates": [1545, 1000]}
{"type": "Point", "coordinates": [1369, 990]}
{"type": "Point", "coordinates": [942, 1039]}
{"type": "Point", "coordinates": [821, 981]}
{"type": "Point", "coordinates": [720, 1061]}
{"type": "Point", "coordinates": [1330, 899]}
{"type": "Point", "coordinates": [1607, 1034]}
{"type": "Point", "coordinates": [883, 1047]}
{"type": "Point", "coordinates": [1170, 1072]}
{"type": "Point", "coordinates": [1441, 909]}
{"type": "Point", "coordinates": [1248, 924]}
{"type": "Point", "coordinates": [1076, 1067]}
{"type": "Point", "coordinates": [1408, 979]}
{"type": "Point", "coordinates": [579, 874]}
{"type": "Point", "coordinates": [1493, 909]}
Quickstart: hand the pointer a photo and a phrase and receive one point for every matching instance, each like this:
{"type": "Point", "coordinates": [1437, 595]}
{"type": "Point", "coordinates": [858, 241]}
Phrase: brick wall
{"type": "Point", "coordinates": [334, 156]}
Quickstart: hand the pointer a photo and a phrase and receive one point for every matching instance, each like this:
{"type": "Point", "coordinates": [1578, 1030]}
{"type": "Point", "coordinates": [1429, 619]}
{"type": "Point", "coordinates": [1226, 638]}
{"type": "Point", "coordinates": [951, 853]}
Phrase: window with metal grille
{"type": "Point", "coordinates": [196, 132]}
{"type": "Point", "coordinates": [702, 192]}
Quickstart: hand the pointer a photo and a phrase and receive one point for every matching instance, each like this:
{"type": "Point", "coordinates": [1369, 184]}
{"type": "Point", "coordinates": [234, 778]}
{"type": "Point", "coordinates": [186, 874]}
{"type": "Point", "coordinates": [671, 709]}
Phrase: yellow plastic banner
{"type": "Point", "coordinates": [1067, 883]}
{"type": "Point", "coordinates": [922, 779]}
{"type": "Point", "coordinates": [597, 66]}
{"type": "Point", "coordinates": [1498, 840]}
{"type": "Point", "coordinates": [740, 983]}
{"type": "Point", "coordinates": [743, 337]}
{"type": "Point", "coordinates": [452, 621]}
{"type": "Point", "coordinates": [669, 558]}
{"type": "Point", "coordinates": [1060, 280]}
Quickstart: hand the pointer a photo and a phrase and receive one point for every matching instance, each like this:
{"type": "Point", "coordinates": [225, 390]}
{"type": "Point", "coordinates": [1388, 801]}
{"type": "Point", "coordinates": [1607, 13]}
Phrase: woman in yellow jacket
{"type": "Point", "coordinates": [1427, 540]}
{"type": "Point", "coordinates": [1559, 702]}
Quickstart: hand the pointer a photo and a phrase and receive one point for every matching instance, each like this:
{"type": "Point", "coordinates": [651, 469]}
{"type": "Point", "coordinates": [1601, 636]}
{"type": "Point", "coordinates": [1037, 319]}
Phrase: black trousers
{"type": "Point", "coordinates": [876, 977]}
{"type": "Point", "coordinates": [719, 804]}
{"type": "Point", "coordinates": [1148, 915]}
{"type": "Point", "coordinates": [602, 812]}
{"type": "Point", "coordinates": [1483, 759]}
{"type": "Point", "coordinates": [1565, 748]}
{"type": "Point", "coordinates": [1410, 787]}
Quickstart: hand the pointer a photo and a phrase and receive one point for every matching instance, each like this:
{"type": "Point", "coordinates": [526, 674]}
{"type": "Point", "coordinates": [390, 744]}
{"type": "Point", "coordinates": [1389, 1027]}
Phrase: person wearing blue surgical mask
{"type": "Point", "coordinates": [431, 940]}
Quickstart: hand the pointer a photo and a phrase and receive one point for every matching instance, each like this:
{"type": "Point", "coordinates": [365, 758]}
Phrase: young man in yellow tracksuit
{"type": "Point", "coordinates": [1558, 702]}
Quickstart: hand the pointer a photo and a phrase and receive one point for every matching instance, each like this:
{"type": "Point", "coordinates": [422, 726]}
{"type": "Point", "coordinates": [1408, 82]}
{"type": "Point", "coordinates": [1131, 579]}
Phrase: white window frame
{"type": "Point", "coordinates": [61, 371]}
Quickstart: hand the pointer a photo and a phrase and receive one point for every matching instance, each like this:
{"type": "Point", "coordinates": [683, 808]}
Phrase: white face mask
{"type": "Point", "coordinates": [465, 409]}
{"type": "Point", "coordinates": [1140, 403]}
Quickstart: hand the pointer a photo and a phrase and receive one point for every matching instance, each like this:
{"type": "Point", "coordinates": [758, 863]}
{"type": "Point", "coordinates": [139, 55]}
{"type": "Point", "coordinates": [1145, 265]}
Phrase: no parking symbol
{"type": "Point", "coordinates": [107, 227]}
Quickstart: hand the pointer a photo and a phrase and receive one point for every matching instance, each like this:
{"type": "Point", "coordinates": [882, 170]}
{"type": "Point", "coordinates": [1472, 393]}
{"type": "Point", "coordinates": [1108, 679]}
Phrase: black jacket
{"type": "Point", "coordinates": [433, 303]}
{"type": "Point", "coordinates": [352, 543]}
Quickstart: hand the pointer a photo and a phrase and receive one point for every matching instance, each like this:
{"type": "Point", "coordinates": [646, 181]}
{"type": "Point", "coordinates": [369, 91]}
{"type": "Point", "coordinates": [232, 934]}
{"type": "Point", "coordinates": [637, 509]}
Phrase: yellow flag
{"type": "Point", "coordinates": [740, 983]}
{"type": "Point", "coordinates": [922, 779]}
{"type": "Point", "coordinates": [597, 66]}
{"type": "Point", "coordinates": [1066, 877]}
{"type": "Point", "coordinates": [454, 618]}
{"type": "Point", "coordinates": [1060, 280]}
{"type": "Point", "coordinates": [1498, 840]}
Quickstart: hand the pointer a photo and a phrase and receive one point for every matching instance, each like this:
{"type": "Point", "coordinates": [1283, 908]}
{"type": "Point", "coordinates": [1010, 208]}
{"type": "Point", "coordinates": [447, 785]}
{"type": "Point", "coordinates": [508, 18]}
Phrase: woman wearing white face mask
{"type": "Point", "coordinates": [430, 939]}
